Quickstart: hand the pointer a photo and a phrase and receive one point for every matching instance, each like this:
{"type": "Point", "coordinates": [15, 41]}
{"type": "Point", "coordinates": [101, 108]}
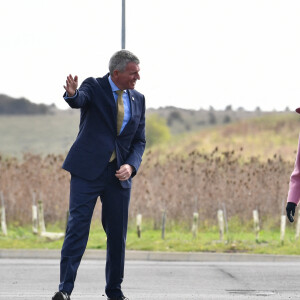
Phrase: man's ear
{"type": "Point", "coordinates": [115, 74]}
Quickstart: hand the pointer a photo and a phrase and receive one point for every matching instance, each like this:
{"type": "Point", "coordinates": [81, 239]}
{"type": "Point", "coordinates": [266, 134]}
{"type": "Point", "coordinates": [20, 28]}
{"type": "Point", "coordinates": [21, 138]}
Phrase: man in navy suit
{"type": "Point", "coordinates": [102, 161]}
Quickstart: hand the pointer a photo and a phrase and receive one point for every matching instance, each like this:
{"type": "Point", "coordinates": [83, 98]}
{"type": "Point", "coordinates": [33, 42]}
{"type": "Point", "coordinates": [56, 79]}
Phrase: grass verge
{"type": "Point", "coordinates": [177, 238]}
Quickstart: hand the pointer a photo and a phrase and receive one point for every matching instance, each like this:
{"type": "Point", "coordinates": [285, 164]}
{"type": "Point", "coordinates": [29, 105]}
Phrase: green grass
{"type": "Point", "coordinates": [178, 238]}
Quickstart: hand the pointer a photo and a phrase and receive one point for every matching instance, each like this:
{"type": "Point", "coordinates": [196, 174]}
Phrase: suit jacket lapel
{"type": "Point", "coordinates": [109, 94]}
{"type": "Point", "coordinates": [132, 104]}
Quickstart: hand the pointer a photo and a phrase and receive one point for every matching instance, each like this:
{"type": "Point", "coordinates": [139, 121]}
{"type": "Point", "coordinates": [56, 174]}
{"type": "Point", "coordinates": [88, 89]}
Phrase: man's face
{"type": "Point", "coordinates": [127, 79]}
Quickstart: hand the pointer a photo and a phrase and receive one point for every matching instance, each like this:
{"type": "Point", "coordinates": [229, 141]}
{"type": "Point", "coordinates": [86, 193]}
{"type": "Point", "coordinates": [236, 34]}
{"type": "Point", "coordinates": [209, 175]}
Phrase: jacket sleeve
{"type": "Point", "coordinates": [82, 96]}
{"type": "Point", "coordinates": [138, 144]}
{"type": "Point", "coordinates": [294, 186]}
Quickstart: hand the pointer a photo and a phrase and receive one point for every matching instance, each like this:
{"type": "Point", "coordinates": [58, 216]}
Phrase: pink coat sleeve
{"type": "Point", "coordinates": [294, 187]}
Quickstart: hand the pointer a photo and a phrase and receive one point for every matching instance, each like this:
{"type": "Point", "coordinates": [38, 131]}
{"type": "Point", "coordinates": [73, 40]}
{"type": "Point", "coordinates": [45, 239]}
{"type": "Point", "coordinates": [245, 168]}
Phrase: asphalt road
{"type": "Point", "coordinates": [38, 279]}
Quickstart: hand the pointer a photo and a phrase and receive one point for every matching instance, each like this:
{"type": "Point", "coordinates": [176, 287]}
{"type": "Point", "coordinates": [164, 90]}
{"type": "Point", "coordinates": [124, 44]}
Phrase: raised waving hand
{"type": "Point", "coordinates": [71, 85]}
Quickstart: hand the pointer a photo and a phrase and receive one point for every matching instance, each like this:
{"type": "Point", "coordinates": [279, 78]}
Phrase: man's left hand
{"type": "Point", "coordinates": [124, 173]}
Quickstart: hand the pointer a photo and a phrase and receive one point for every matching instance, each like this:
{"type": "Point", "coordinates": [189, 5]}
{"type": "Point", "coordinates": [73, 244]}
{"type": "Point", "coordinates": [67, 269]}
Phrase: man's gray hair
{"type": "Point", "coordinates": [120, 60]}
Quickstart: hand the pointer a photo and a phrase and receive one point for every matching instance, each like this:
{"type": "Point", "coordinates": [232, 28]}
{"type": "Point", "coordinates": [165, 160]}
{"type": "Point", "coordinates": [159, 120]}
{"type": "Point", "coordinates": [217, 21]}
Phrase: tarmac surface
{"type": "Point", "coordinates": [35, 275]}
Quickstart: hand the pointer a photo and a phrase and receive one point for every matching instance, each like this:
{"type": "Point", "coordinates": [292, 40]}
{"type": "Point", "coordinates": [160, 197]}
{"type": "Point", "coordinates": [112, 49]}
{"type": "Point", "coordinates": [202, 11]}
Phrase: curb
{"type": "Point", "coordinates": [154, 256]}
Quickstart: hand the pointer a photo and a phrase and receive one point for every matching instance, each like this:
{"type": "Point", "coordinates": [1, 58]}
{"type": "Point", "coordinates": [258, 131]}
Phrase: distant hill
{"type": "Point", "coordinates": [38, 128]}
{"type": "Point", "coordinates": [22, 106]}
{"type": "Point", "coordinates": [179, 120]}
{"type": "Point", "coordinates": [262, 137]}
{"type": "Point", "coordinates": [268, 134]}
{"type": "Point", "coordinates": [186, 120]}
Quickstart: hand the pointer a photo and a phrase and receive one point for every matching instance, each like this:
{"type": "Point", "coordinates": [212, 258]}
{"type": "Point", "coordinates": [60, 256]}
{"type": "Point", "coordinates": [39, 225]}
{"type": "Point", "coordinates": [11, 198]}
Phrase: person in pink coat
{"type": "Point", "coordinates": [294, 188]}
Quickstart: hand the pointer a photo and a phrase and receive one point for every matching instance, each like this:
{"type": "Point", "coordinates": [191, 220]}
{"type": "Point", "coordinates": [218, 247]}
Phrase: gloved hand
{"type": "Point", "coordinates": [290, 211]}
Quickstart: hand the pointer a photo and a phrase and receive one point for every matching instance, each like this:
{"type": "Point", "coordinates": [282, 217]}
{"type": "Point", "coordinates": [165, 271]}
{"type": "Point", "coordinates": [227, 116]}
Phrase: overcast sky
{"type": "Point", "coordinates": [193, 53]}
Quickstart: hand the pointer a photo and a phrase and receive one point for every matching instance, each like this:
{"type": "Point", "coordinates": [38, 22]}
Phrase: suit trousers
{"type": "Point", "coordinates": [115, 204]}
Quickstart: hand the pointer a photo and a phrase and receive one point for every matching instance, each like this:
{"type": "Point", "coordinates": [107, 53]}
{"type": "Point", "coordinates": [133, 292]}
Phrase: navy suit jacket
{"type": "Point", "coordinates": [97, 137]}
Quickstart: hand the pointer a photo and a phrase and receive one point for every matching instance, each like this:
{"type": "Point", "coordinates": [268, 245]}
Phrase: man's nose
{"type": "Point", "coordinates": [138, 76]}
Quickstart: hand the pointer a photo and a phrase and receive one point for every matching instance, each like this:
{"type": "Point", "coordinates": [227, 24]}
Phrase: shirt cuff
{"type": "Point", "coordinates": [67, 97]}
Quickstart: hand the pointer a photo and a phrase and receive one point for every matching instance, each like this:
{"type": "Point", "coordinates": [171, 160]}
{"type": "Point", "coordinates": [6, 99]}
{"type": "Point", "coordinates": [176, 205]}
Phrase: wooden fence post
{"type": "Point", "coordinates": [41, 216]}
{"type": "Point", "coordinates": [3, 216]}
{"type": "Point", "coordinates": [163, 225]}
{"type": "Point", "coordinates": [282, 228]}
{"type": "Point", "coordinates": [139, 225]}
{"type": "Point", "coordinates": [225, 217]}
{"type": "Point", "coordinates": [195, 224]}
{"type": "Point", "coordinates": [256, 224]}
{"type": "Point", "coordinates": [221, 223]}
{"type": "Point", "coordinates": [298, 226]}
{"type": "Point", "coordinates": [34, 214]}
{"type": "Point", "coordinates": [39, 210]}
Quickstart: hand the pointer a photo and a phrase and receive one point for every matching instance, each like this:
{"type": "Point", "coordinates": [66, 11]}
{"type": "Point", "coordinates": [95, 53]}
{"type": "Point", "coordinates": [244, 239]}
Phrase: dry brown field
{"type": "Point", "coordinates": [239, 167]}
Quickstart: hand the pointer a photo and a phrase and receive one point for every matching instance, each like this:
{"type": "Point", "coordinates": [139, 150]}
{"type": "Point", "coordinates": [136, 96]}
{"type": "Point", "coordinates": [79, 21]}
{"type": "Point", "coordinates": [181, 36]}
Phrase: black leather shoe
{"type": "Point", "coordinates": [118, 298]}
{"type": "Point", "coordinates": [61, 296]}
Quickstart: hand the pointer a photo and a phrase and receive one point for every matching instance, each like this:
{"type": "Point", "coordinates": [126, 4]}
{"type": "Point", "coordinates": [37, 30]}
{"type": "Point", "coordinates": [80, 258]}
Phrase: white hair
{"type": "Point", "coordinates": [120, 60]}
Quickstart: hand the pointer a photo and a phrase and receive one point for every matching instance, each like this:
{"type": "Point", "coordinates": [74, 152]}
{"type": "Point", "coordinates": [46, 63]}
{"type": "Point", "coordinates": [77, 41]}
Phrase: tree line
{"type": "Point", "coordinates": [22, 106]}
